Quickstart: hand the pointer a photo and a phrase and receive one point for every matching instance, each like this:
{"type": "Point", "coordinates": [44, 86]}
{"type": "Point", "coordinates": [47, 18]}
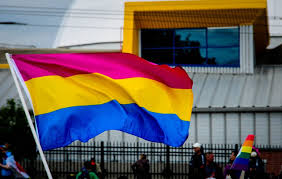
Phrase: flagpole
{"type": "Point", "coordinates": [29, 118]}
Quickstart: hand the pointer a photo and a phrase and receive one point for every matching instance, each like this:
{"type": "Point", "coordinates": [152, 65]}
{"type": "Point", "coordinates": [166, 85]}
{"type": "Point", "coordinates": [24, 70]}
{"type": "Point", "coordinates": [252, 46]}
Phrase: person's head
{"type": "Point", "coordinates": [197, 148]}
{"type": "Point", "coordinates": [92, 161]}
{"type": "Point", "coordinates": [233, 155]}
{"type": "Point", "coordinates": [256, 150]}
{"type": "Point", "coordinates": [209, 156]}
{"type": "Point", "coordinates": [3, 149]}
{"type": "Point", "coordinates": [143, 156]}
{"type": "Point", "coordinates": [254, 154]}
{"type": "Point", "coordinates": [7, 145]}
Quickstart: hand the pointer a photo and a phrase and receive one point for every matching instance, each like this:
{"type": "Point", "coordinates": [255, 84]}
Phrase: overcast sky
{"type": "Point", "coordinates": [53, 23]}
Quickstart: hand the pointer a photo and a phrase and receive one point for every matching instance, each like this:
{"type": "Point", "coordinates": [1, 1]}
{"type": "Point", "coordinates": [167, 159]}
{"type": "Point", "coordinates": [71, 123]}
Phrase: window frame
{"type": "Point", "coordinates": [206, 46]}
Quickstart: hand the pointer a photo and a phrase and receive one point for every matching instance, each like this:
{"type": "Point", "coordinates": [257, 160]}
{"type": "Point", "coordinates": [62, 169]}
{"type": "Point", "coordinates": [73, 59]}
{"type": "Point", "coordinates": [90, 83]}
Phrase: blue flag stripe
{"type": "Point", "coordinates": [62, 127]}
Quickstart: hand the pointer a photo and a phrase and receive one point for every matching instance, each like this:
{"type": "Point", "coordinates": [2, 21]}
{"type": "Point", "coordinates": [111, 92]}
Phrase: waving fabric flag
{"type": "Point", "coordinates": [241, 162]}
{"type": "Point", "coordinates": [80, 95]}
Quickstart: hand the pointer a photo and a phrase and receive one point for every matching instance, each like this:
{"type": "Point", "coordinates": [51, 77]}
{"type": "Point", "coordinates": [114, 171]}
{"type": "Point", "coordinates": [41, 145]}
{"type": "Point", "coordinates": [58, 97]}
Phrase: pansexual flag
{"type": "Point", "coordinates": [80, 95]}
{"type": "Point", "coordinates": [241, 162]}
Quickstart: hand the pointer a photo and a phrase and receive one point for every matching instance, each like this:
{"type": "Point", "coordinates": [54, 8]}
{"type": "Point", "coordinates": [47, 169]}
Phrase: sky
{"type": "Point", "coordinates": [53, 23]}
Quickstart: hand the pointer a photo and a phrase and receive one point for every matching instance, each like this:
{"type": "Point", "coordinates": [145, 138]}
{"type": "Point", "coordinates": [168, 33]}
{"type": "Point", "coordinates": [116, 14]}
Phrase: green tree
{"type": "Point", "coordinates": [14, 129]}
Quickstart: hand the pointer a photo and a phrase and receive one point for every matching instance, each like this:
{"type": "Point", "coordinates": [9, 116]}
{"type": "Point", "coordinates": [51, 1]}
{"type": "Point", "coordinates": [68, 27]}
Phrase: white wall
{"type": "Point", "coordinates": [275, 22]}
{"type": "Point", "coordinates": [275, 17]}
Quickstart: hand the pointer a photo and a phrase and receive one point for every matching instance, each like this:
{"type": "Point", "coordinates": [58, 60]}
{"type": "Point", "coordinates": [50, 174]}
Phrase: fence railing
{"type": "Point", "coordinates": [116, 158]}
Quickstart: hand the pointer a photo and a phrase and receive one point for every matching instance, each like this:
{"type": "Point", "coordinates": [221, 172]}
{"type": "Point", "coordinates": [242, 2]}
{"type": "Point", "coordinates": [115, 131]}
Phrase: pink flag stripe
{"type": "Point", "coordinates": [113, 65]}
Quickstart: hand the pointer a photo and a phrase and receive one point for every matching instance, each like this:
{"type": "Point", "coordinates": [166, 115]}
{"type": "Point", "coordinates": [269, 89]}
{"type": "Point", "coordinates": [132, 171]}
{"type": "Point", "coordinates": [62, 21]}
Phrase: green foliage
{"type": "Point", "coordinates": [14, 129]}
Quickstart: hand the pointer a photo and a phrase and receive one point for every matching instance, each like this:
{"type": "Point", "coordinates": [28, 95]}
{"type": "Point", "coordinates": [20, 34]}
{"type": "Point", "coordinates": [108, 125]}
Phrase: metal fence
{"type": "Point", "coordinates": [116, 159]}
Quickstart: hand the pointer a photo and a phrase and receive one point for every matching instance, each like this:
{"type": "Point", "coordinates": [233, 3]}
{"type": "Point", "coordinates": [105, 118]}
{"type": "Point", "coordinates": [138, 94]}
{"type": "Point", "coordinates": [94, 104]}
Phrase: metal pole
{"type": "Point", "coordinates": [29, 118]}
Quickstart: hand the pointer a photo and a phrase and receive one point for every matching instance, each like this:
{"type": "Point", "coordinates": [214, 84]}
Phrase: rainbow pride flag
{"type": "Point", "coordinates": [78, 96]}
{"type": "Point", "coordinates": [241, 162]}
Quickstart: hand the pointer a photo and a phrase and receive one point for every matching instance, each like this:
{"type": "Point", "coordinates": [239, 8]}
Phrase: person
{"type": "Point", "coordinates": [197, 162]}
{"type": "Point", "coordinates": [141, 168]}
{"type": "Point", "coordinates": [86, 172]}
{"type": "Point", "coordinates": [11, 168]}
{"type": "Point", "coordinates": [6, 172]}
{"type": "Point", "coordinates": [234, 174]}
{"type": "Point", "coordinates": [212, 170]}
{"type": "Point", "coordinates": [256, 166]}
{"type": "Point", "coordinates": [95, 167]}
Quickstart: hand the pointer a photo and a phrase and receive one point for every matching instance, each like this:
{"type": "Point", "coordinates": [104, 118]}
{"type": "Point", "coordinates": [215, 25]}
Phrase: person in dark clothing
{"type": "Point", "coordinates": [212, 170]}
{"type": "Point", "coordinates": [95, 167]}
{"type": "Point", "coordinates": [234, 174]}
{"type": "Point", "coordinates": [256, 167]}
{"type": "Point", "coordinates": [141, 168]}
{"type": "Point", "coordinates": [197, 163]}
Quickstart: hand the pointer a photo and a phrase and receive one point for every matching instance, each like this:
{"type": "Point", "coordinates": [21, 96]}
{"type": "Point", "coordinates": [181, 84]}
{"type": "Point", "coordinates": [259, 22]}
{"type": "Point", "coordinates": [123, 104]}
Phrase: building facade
{"type": "Point", "coordinates": [222, 46]}
{"type": "Point", "coordinates": [218, 44]}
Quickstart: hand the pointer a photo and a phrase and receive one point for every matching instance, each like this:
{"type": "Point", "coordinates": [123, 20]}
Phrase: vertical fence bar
{"type": "Point", "coordinates": [236, 148]}
{"type": "Point", "coordinates": [109, 155]}
{"type": "Point", "coordinates": [225, 154]}
{"type": "Point", "coordinates": [167, 167]}
{"type": "Point", "coordinates": [102, 165]}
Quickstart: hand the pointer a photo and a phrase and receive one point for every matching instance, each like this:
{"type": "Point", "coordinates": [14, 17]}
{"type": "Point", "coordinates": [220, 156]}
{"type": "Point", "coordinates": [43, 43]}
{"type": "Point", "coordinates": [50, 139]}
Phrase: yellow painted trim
{"type": "Point", "coordinates": [188, 14]}
{"type": "Point", "coordinates": [194, 5]}
{"type": "Point", "coordinates": [4, 66]}
{"type": "Point", "coordinates": [129, 32]}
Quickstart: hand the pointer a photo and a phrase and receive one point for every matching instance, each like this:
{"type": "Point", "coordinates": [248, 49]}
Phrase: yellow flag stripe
{"type": "Point", "coordinates": [50, 93]}
{"type": "Point", "coordinates": [246, 149]}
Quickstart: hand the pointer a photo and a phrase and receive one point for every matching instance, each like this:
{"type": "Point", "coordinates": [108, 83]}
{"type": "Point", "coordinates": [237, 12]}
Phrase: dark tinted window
{"type": "Point", "coordinates": [190, 38]}
{"type": "Point", "coordinates": [190, 56]}
{"type": "Point", "coordinates": [157, 38]}
{"type": "Point", "coordinates": [192, 47]}
{"type": "Point", "coordinates": [223, 37]}
{"type": "Point", "coordinates": [159, 56]}
{"type": "Point", "coordinates": [224, 56]}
